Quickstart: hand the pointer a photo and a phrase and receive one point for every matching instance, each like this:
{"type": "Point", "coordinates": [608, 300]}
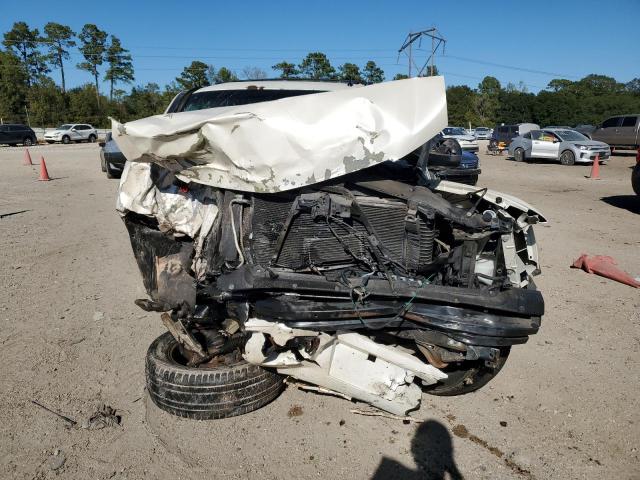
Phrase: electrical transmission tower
{"type": "Point", "coordinates": [407, 47]}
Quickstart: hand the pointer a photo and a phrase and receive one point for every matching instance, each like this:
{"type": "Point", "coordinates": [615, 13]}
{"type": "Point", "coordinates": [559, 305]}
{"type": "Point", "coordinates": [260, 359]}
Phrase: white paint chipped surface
{"type": "Point", "coordinates": [292, 142]}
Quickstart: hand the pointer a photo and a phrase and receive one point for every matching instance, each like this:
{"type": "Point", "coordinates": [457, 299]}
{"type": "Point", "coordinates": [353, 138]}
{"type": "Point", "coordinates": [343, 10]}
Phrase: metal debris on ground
{"type": "Point", "coordinates": [104, 416]}
{"type": "Point", "coordinates": [376, 413]}
{"type": "Point", "coordinates": [311, 388]}
{"type": "Point", "coordinates": [59, 415]}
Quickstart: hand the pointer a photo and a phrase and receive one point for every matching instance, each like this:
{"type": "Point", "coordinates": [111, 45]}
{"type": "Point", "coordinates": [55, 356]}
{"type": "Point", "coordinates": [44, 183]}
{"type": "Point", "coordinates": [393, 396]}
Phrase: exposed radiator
{"type": "Point", "coordinates": [312, 243]}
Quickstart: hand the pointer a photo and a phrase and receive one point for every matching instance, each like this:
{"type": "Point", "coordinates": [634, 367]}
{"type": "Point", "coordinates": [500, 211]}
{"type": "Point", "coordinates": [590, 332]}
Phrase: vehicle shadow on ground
{"type": "Point", "coordinates": [432, 451]}
{"type": "Point", "coordinates": [627, 202]}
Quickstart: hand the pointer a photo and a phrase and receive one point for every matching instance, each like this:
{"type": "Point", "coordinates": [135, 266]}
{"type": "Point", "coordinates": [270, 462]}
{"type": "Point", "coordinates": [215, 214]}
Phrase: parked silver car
{"type": "Point", "coordinates": [567, 146]}
{"type": "Point", "coordinates": [72, 132]}
{"type": "Point", "coordinates": [483, 133]}
{"type": "Point", "coordinates": [466, 141]}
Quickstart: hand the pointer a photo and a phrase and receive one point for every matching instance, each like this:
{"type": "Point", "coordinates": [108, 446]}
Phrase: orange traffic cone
{"type": "Point", "coordinates": [638, 156]}
{"type": "Point", "coordinates": [44, 175]}
{"type": "Point", "coordinates": [595, 169]}
{"type": "Point", "coordinates": [27, 157]}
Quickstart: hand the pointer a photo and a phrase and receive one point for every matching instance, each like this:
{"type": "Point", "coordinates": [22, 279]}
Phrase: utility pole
{"type": "Point", "coordinates": [407, 47]}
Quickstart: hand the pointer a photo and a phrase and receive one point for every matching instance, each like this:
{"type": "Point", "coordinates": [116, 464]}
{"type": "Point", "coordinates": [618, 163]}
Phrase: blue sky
{"type": "Point", "coordinates": [537, 40]}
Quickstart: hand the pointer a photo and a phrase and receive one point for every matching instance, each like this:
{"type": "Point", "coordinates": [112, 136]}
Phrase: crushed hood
{"type": "Point", "coordinates": [292, 142]}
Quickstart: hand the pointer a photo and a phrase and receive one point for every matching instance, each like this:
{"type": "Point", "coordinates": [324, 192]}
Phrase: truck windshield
{"type": "Point", "coordinates": [228, 98]}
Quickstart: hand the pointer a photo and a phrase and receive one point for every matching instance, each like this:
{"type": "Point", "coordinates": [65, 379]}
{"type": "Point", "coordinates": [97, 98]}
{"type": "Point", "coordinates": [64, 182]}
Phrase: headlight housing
{"type": "Point", "coordinates": [582, 147]}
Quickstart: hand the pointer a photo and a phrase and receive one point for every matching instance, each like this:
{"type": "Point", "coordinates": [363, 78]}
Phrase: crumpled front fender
{"type": "Point", "coordinates": [506, 201]}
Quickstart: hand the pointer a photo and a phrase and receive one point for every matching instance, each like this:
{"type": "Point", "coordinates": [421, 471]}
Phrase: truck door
{"type": "Point", "coordinates": [607, 131]}
{"type": "Point", "coordinates": [627, 133]}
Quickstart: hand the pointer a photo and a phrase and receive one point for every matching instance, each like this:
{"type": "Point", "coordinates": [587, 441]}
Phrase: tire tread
{"type": "Point", "coordinates": [206, 394]}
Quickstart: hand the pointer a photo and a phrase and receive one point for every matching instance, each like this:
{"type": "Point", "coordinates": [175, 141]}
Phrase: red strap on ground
{"type": "Point", "coordinates": [605, 267]}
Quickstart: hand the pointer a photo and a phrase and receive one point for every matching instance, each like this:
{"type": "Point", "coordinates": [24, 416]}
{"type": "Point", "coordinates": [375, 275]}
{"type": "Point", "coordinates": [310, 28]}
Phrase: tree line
{"type": "Point", "coordinates": [29, 94]}
{"type": "Point", "coordinates": [589, 100]}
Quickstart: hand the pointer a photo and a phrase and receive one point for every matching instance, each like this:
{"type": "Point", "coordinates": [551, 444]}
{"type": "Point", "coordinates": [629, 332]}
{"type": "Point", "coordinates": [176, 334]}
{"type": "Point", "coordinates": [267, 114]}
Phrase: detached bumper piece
{"type": "Point", "coordinates": [348, 363]}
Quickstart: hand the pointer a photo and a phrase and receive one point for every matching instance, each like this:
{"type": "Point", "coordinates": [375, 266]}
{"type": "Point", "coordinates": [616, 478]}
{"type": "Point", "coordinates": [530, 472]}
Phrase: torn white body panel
{"type": "Point", "coordinates": [347, 363]}
{"type": "Point", "coordinates": [292, 142]}
{"type": "Point", "coordinates": [506, 200]}
{"type": "Point", "coordinates": [177, 212]}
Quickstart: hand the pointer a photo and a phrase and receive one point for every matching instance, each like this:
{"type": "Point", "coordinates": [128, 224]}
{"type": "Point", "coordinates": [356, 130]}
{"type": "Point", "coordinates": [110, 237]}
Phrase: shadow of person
{"type": "Point", "coordinates": [626, 202]}
{"type": "Point", "coordinates": [432, 451]}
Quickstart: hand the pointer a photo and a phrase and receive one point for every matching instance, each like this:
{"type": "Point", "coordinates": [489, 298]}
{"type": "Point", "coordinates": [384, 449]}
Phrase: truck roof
{"type": "Point", "coordinates": [281, 85]}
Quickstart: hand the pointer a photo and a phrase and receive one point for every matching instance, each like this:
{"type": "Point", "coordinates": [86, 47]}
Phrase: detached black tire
{"type": "Point", "coordinates": [226, 390]}
{"type": "Point", "coordinates": [469, 376]}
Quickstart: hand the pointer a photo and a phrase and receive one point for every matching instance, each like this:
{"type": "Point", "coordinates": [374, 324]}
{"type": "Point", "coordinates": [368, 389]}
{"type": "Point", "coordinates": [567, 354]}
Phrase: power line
{"type": "Point", "coordinates": [481, 78]}
{"type": "Point", "coordinates": [509, 67]}
{"type": "Point", "coordinates": [416, 37]}
{"type": "Point", "coordinates": [235, 49]}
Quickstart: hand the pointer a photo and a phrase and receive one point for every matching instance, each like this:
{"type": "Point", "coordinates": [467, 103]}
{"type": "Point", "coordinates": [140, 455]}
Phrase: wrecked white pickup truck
{"type": "Point", "coordinates": [293, 229]}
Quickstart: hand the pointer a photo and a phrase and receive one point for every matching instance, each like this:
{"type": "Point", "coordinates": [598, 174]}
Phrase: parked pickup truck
{"type": "Point", "coordinates": [619, 131]}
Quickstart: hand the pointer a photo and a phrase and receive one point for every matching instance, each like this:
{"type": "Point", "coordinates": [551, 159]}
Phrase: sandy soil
{"type": "Point", "coordinates": [565, 406]}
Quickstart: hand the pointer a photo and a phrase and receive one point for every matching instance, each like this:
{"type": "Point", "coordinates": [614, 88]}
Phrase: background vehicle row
{"type": "Point", "coordinates": [16, 133]}
{"type": "Point", "coordinates": [567, 146]}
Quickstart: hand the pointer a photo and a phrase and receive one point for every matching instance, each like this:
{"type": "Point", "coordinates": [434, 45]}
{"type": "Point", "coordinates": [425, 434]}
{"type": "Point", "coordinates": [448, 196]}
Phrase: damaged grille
{"type": "Point", "coordinates": [310, 242]}
{"type": "Point", "coordinates": [269, 215]}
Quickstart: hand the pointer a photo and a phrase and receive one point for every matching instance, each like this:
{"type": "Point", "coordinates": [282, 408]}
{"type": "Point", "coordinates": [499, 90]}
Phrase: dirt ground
{"type": "Point", "coordinates": [565, 406]}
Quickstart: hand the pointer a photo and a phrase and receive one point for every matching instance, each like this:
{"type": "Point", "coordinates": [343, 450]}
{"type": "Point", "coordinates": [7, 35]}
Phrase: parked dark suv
{"type": "Point", "coordinates": [14, 134]}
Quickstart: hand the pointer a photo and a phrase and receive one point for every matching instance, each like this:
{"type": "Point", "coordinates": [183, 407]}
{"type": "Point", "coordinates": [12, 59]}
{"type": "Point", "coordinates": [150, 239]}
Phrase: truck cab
{"type": "Point", "coordinates": [619, 131]}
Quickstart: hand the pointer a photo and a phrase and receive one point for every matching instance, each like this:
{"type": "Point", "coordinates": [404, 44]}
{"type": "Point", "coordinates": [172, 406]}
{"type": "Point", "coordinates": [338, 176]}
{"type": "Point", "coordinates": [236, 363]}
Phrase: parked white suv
{"type": "Point", "coordinates": [72, 132]}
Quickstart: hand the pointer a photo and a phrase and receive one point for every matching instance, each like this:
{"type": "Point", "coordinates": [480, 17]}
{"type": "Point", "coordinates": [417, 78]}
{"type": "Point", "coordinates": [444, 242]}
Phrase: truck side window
{"type": "Point", "coordinates": [611, 122]}
{"type": "Point", "coordinates": [629, 121]}
{"type": "Point", "coordinates": [527, 135]}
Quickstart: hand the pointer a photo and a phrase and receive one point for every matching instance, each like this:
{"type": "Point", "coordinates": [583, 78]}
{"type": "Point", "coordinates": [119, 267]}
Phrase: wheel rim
{"type": "Point", "coordinates": [519, 155]}
{"type": "Point", "coordinates": [566, 158]}
{"type": "Point", "coordinates": [27, 142]}
{"type": "Point", "coordinates": [228, 359]}
{"type": "Point", "coordinates": [224, 352]}
{"type": "Point", "coordinates": [65, 140]}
